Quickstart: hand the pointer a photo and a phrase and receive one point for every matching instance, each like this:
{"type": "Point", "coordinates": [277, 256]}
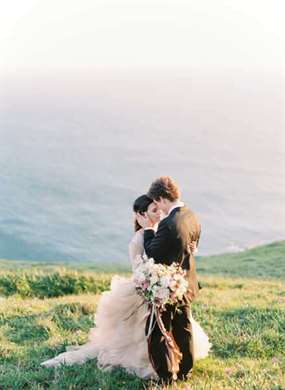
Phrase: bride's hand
{"type": "Point", "coordinates": [193, 246]}
{"type": "Point", "coordinates": [144, 220]}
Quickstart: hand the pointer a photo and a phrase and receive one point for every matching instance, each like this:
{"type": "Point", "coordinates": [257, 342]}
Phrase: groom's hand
{"type": "Point", "coordinates": [144, 221]}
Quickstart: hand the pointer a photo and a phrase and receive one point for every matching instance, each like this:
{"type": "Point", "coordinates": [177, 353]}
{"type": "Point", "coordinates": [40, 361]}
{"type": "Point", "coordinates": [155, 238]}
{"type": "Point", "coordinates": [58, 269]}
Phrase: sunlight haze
{"type": "Point", "coordinates": [141, 34]}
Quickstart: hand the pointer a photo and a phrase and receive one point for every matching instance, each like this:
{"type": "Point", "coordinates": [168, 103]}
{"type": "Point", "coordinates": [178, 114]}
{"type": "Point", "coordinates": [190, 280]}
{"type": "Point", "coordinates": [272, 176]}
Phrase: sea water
{"type": "Point", "coordinates": [77, 149]}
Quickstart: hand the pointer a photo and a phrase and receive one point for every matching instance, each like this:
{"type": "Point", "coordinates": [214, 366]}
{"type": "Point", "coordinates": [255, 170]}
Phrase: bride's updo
{"type": "Point", "coordinates": [140, 206]}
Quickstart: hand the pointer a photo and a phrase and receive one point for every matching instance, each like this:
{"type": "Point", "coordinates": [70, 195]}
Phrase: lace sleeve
{"type": "Point", "coordinates": [136, 249]}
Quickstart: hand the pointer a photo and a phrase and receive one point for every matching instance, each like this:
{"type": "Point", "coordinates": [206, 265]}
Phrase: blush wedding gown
{"type": "Point", "coordinates": [118, 338]}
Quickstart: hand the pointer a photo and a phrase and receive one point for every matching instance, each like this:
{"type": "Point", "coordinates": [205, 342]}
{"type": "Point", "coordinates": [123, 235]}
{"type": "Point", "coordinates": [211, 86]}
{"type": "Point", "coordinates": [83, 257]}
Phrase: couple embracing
{"type": "Point", "coordinates": [167, 232]}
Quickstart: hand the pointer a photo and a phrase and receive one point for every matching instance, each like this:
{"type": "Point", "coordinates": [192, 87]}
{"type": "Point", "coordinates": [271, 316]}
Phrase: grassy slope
{"type": "Point", "coordinates": [12, 265]}
{"type": "Point", "coordinates": [260, 262]}
{"type": "Point", "coordinates": [243, 315]}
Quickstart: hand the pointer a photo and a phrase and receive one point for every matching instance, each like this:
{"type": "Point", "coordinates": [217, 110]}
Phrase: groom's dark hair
{"type": "Point", "coordinates": [164, 187]}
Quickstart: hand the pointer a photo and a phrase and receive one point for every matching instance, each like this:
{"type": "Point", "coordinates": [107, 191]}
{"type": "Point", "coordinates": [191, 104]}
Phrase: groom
{"type": "Point", "coordinates": [172, 243]}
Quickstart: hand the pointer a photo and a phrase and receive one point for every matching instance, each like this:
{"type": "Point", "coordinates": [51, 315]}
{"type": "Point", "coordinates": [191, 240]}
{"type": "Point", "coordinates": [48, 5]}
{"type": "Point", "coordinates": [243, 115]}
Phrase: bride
{"type": "Point", "coordinates": [118, 338]}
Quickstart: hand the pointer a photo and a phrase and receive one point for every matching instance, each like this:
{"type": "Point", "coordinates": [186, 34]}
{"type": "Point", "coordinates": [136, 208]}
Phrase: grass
{"type": "Point", "coordinates": [28, 265]}
{"type": "Point", "coordinates": [58, 282]}
{"type": "Point", "coordinates": [260, 262]}
{"type": "Point", "coordinates": [243, 314]}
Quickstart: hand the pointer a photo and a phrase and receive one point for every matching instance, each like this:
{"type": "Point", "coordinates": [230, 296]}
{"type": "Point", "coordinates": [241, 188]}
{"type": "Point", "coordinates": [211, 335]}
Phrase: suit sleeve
{"type": "Point", "coordinates": [155, 245]}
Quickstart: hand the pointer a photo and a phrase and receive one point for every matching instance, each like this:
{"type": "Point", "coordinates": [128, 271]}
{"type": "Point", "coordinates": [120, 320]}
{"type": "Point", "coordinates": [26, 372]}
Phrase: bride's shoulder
{"type": "Point", "coordinates": [138, 236]}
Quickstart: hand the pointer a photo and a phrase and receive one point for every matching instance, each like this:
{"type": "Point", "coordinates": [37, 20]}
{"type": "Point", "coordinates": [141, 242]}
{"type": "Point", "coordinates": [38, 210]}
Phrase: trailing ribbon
{"type": "Point", "coordinates": [151, 325]}
{"type": "Point", "coordinates": [174, 355]}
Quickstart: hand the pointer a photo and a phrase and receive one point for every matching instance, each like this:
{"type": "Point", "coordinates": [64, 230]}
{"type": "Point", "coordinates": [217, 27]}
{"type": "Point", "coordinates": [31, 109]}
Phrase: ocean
{"type": "Point", "coordinates": [77, 148]}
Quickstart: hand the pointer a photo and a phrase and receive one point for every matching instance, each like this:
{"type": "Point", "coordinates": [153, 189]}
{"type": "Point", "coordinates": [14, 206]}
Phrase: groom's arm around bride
{"type": "Point", "coordinates": [176, 232]}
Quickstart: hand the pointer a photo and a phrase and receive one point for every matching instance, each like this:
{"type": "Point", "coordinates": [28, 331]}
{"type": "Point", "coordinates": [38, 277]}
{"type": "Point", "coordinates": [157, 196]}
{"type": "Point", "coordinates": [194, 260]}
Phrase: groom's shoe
{"type": "Point", "coordinates": [184, 377]}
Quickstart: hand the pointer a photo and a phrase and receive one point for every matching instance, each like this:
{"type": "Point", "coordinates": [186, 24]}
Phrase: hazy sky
{"type": "Point", "coordinates": [44, 34]}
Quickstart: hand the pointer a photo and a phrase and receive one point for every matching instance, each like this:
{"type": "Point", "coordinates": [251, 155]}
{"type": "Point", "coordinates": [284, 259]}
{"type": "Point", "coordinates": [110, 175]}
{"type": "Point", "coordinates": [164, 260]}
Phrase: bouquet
{"type": "Point", "coordinates": [160, 284]}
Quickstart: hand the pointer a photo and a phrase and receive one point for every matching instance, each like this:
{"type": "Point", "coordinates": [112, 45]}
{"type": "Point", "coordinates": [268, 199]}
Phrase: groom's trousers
{"type": "Point", "coordinates": [178, 323]}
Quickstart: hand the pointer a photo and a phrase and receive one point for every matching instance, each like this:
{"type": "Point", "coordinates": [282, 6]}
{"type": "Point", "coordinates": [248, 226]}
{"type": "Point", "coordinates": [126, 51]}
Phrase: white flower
{"type": "Point", "coordinates": [180, 292]}
{"type": "Point", "coordinates": [184, 283]}
{"type": "Point", "coordinates": [139, 277]}
{"type": "Point", "coordinates": [164, 281]}
{"type": "Point", "coordinates": [162, 293]}
{"type": "Point", "coordinates": [155, 289]}
{"type": "Point", "coordinates": [139, 259]}
{"type": "Point", "coordinates": [153, 279]}
{"type": "Point", "coordinates": [172, 284]}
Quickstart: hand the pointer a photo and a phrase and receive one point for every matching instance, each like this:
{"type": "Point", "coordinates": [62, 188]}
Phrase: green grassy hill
{"type": "Point", "coordinates": [261, 262]}
{"type": "Point", "coordinates": [241, 306]}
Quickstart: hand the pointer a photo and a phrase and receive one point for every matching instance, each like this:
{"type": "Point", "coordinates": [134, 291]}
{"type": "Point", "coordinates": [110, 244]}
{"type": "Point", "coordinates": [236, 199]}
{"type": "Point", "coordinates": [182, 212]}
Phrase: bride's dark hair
{"type": "Point", "coordinates": [140, 206]}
